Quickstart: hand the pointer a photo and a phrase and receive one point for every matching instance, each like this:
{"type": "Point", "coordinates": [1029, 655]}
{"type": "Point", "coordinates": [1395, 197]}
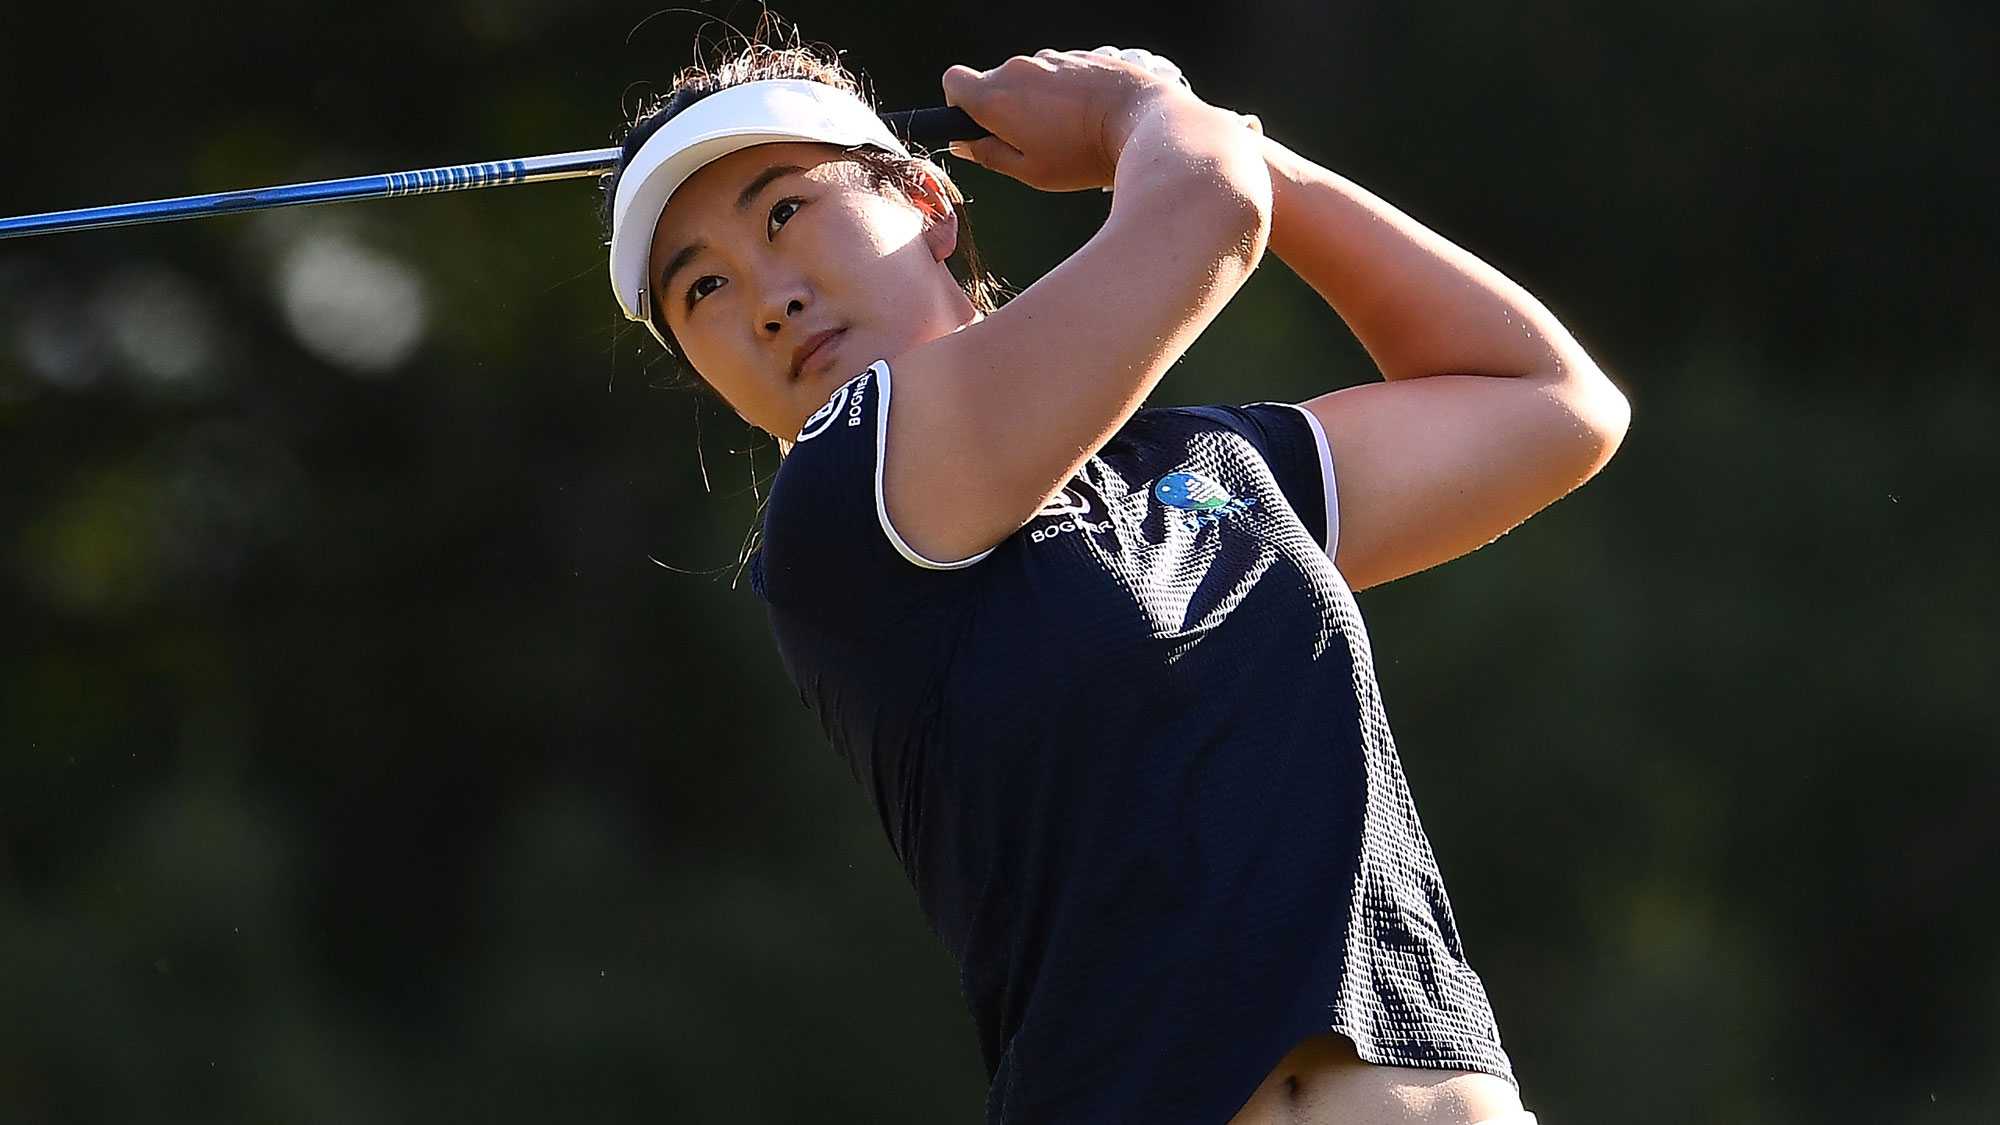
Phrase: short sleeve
{"type": "Point", "coordinates": [828, 552]}
{"type": "Point", "coordinates": [1293, 444]}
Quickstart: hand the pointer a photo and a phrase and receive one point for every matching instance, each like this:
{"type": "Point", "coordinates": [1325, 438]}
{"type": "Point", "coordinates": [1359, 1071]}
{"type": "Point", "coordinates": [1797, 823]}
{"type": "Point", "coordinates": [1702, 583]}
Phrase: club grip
{"type": "Point", "coordinates": [934, 128]}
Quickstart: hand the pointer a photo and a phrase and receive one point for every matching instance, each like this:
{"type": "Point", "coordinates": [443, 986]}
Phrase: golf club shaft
{"type": "Point", "coordinates": [930, 128]}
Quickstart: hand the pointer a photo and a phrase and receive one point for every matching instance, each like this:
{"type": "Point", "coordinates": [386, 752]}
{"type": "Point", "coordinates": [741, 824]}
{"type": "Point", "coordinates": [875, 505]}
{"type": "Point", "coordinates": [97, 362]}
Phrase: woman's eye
{"type": "Point", "coordinates": [702, 287]}
{"type": "Point", "coordinates": [782, 213]}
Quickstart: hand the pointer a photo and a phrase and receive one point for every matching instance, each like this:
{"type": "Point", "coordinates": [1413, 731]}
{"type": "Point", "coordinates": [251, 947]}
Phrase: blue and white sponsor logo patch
{"type": "Point", "coordinates": [1197, 499]}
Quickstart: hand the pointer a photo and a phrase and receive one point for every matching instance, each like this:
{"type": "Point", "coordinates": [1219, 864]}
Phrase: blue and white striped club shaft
{"type": "Point", "coordinates": [458, 177]}
{"type": "Point", "coordinates": [932, 128]}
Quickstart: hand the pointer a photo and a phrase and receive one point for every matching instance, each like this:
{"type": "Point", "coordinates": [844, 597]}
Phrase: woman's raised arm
{"type": "Point", "coordinates": [1490, 410]}
{"type": "Point", "coordinates": [989, 422]}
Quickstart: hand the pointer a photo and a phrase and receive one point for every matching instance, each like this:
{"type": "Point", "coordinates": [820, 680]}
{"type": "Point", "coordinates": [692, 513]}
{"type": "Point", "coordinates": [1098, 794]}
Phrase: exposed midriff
{"type": "Point", "coordinates": [1322, 1082]}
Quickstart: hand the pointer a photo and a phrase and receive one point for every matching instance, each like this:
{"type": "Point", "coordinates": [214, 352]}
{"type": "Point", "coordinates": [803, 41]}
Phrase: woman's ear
{"type": "Point", "coordinates": [940, 218]}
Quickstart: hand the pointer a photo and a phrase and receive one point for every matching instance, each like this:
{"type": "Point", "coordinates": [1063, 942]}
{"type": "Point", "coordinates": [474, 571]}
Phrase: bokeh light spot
{"type": "Point", "coordinates": [56, 341]}
{"type": "Point", "coordinates": [157, 325]}
{"type": "Point", "coordinates": [354, 307]}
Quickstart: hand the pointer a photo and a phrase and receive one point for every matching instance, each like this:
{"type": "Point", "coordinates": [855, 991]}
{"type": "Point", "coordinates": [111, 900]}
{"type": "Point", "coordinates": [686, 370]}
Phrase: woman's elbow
{"type": "Point", "coordinates": [1246, 198]}
{"type": "Point", "coordinates": [1234, 228]}
{"type": "Point", "coordinates": [1602, 415]}
{"type": "Point", "coordinates": [1227, 194]}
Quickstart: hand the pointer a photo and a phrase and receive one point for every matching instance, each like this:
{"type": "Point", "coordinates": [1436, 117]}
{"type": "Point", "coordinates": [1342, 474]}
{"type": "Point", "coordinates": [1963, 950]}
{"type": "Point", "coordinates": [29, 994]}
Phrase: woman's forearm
{"type": "Point", "coordinates": [1420, 304]}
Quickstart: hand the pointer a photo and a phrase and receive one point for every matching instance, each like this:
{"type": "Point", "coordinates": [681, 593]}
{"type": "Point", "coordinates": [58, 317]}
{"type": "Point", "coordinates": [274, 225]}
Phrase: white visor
{"type": "Point", "coordinates": [754, 113]}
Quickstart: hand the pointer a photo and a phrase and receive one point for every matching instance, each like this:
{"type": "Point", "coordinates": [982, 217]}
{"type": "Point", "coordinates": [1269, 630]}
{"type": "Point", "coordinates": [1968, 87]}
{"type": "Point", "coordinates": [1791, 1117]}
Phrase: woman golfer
{"type": "Point", "coordinates": [1098, 667]}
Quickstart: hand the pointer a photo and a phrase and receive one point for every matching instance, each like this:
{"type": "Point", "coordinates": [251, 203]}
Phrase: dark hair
{"type": "Point", "coordinates": [754, 60]}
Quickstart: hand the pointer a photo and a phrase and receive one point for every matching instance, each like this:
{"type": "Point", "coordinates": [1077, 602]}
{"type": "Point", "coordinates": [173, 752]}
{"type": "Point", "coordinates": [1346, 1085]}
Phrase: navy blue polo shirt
{"type": "Point", "coordinates": [1134, 762]}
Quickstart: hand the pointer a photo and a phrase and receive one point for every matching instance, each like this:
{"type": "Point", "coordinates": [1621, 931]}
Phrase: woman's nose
{"type": "Point", "coordinates": [775, 317]}
{"type": "Point", "coordinates": [782, 294]}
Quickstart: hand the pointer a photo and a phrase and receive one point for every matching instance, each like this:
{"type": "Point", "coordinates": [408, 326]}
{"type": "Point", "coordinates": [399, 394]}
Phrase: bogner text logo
{"type": "Point", "coordinates": [845, 401]}
{"type": "Point", "coordinates": [824, 416]}
{"type": "Point", "coordinates": [1198, 500]}
{"type": "Point", "coordinates": [1070, 508]}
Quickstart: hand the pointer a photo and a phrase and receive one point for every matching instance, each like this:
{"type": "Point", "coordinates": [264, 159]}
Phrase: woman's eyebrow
{"type": "Point", "coordinates": [687, 254]}
{"type": "Point", "coordinates": [763, 180]}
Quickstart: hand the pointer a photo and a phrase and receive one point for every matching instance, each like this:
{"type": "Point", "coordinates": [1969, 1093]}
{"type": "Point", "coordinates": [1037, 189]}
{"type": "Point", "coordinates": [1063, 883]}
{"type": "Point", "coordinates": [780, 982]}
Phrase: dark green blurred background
{"type": "Point", "coordinates": [359, 763]}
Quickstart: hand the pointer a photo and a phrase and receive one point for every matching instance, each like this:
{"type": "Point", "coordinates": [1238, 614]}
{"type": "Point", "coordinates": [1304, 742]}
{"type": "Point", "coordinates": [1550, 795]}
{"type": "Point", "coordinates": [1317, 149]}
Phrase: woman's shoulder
{"type": "Point", "coordinates": [827, 546]}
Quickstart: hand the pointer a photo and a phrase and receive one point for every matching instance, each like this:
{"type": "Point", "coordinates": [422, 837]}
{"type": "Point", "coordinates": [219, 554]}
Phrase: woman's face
{"type": "Point", "coordinates": [782, 274]}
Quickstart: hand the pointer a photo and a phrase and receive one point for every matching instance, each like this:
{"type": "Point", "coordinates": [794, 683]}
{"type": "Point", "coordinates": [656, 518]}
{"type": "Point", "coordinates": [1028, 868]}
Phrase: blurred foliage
{"type": "Point", "coordinates": [383, 736]}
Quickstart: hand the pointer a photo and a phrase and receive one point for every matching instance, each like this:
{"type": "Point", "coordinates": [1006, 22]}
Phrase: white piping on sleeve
{"type": "Point", "coordinates": [1325, 477]}
{"type": "Point", "coordinates": [881, 368]}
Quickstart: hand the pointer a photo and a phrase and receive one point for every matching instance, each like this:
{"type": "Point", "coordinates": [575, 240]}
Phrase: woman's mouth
{"type": "Point", "coordinates": [814, 351]}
